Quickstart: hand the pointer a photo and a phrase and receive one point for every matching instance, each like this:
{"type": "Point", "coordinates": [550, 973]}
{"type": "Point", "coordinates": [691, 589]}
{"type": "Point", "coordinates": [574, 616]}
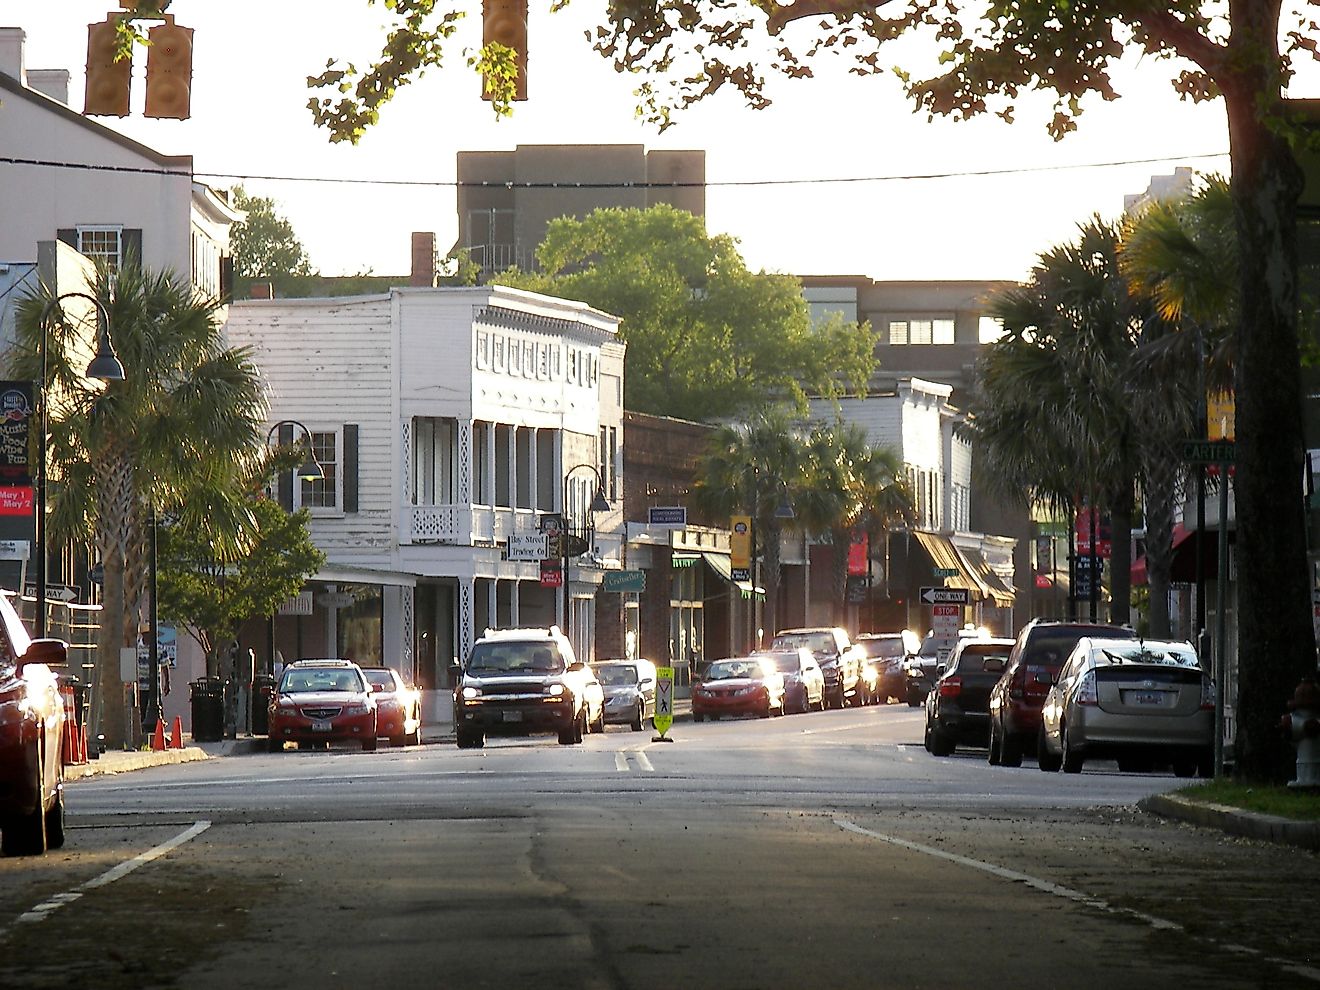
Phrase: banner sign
{"type": "Point", "coordinates": [740, 542]}
{"type": "Point", "coordinates": [552, 576]}
{"type": "Point", "coordinates": [15, 500]}
{"type": "Point", "coordinates": [633, 582]}
{"type": "Point", "coordinates": [858, 551]}
{"type": "Point", "coordinates": [15, 423]}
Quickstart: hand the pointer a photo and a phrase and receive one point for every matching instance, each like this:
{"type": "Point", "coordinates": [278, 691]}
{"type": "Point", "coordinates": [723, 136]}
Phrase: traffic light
{"type": "Point", "coordinates": [108, 81]}
{"type": "Point", "coordinates": [169, 71]}
{"type": "Point", "coordinates": [505, 22]}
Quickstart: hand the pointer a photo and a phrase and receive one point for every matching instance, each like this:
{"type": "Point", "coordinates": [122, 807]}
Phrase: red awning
{"type": "Point", "coordinates": [1180, 536]}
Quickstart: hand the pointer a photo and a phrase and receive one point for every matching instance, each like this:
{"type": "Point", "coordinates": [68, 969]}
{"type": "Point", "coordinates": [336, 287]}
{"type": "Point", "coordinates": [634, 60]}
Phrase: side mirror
{"type": "Point", "coordinates": [939, 670]}
{"type": "Point", "coordinates": [644, 682]}
{"type": "Point", "coordinates": [51, 652]}
{"type": "Point", "coordinates": [577, 665]}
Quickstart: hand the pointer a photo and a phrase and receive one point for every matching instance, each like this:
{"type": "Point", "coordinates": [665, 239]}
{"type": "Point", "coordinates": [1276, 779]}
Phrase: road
{"type": "Point", "coordinates": [823, 850]}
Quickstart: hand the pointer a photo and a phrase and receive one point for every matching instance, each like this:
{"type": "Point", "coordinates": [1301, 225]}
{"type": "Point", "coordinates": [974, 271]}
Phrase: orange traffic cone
{"type": "Point", "coordinates": [69, 744]}
{"type": "Point", "coordinates": [158, 737]}
{"type": "Point", "coordinates": [176, 734]}
{"type": "Point", "coordinates": [82, 744]}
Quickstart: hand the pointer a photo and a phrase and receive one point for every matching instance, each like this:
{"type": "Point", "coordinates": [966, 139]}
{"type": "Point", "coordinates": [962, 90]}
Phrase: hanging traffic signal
{"type": "Point", "coordinates": [108, 81]}
{"type": "Point", "coordinates": [169, 70]}
{"type": "Point", "coordinates": [505, 22]}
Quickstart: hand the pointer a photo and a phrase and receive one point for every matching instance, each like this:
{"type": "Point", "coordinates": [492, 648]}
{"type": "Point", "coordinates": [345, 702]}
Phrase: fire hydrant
{"type": "Point", "coordinates": [1303, 728]}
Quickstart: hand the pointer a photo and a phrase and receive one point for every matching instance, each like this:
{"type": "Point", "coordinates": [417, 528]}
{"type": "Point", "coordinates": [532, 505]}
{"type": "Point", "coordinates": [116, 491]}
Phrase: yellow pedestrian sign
{"type": "Point", "coordinates": [664, 702]}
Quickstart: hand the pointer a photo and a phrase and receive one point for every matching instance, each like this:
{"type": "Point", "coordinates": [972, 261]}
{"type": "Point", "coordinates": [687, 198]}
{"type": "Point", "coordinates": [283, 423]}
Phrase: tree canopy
{"type": "Point", "coordinates": [265, 245]}
{"type": "Point", "coordinates": [706, 337]}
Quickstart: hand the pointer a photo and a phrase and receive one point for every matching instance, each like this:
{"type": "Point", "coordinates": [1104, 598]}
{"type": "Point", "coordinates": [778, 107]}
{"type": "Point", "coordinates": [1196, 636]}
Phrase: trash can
{"type": "Point", "coordinates": [207, 695]}
{"type": "Point", "coordinates": [263, 686]}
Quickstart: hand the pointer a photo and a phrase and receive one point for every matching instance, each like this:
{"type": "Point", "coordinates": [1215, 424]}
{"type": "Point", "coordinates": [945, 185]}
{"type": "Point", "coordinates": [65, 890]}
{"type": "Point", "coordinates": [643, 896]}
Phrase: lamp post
{"type": "Point", "coordinates": [104, 366]}
{"type": "Point", "coordinates": [309, 470]}
{"type": "Point", "coordinates": [598, 504]}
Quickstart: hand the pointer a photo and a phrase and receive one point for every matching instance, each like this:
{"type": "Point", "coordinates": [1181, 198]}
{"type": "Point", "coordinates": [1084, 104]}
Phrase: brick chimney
{"type": "Point", "coordinates": [423, 258]}
{"type": "Point", "coordinates": [261, 290]}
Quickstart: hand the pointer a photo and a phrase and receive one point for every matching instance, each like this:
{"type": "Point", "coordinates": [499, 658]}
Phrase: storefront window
{"type": "Point", "coordinates": [359, 625]}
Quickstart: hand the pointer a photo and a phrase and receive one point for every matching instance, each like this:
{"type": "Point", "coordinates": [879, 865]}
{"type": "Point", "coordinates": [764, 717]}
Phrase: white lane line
{"type": "Point", "coordinates": [620, 761]}
{"type": "Point", "coordinates": [43, 910]}
{"type": "Point", "coordinates": [644, 761]}
{"type": "Point", "coordinates": [1056, 890]}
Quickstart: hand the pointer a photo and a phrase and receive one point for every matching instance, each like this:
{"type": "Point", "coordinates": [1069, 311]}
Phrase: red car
{"type": "Point", "coordinates": [31, 731]}
{"type": "Point", "coordinates": [319, 702]}
{"type": "Point", "coordinates": [739, 686]}
{"type": "Point", "coordinates": [398, 706]}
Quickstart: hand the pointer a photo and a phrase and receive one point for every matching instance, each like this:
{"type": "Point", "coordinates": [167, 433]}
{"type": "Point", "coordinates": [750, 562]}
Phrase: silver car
{"type": "Point", "coordinates": [1145, 703]}
{"type": "Point", "coordinates": [629, 687]}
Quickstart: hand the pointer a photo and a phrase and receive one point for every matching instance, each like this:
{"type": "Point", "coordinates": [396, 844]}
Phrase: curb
{"type": "Point", "coordinates": [1234, 821]}
{"type": "Point", "coordinates": [137, 760]}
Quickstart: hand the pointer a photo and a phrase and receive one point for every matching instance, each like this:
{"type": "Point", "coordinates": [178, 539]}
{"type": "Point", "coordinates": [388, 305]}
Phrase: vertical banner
{"type": "Point", "coordinates": [858, 550]}
{"type": "Point", "coordinates": [740, 547]}
{"type": "Point", "coordinates": [15, 426]}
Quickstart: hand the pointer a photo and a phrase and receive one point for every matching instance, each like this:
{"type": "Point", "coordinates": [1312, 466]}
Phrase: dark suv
{"type": "Point", "coordinates": [958, 709]}
{"type": "Point", "coordinates": [1017, 698]}
{"type": "Point", "coordinates": [840, 661]}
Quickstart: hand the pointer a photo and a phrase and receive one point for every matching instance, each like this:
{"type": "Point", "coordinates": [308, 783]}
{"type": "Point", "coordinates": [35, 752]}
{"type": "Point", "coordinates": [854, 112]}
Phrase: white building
{"type": "Point", "coordinates": [445, 421]}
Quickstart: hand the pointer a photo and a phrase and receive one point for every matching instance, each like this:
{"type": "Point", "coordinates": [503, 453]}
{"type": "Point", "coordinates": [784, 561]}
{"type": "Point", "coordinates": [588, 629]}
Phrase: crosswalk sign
{"type": "Point", "coordinates": [664, 699]}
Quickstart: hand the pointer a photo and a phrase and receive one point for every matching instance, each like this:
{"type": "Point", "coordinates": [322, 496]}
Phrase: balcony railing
{"type": "Point", "coordinates": [464, 525]}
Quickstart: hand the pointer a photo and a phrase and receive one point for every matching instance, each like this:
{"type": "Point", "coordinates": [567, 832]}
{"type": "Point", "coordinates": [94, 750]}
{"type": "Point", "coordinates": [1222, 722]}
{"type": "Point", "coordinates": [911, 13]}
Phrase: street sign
{"type": "Point", "coordinates": [667, 517]}
{"type": "Point", "coordinates": [15, 549]}
{"type": "Point", "coordinates": [945, 596]}
{"type": "Point", "coordinates": [664, 699]}
{"type": "Point", "coordinates": [552, 576]}
{"type": "Point", "coordinates": [632, 582]}
{"type": "Point", "coordinates": [946, 572]}
{"type": "Point", "coordinates": [1210, 452]}
{"type": "Point", "coordinates": [54, 592]}
{"type": "Point", "coordinates": [527, 546]}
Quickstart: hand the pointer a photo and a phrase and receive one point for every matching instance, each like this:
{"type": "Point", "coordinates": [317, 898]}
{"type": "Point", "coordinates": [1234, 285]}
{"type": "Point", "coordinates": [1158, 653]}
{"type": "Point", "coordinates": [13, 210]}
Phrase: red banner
{"type": "Point", "coordinates": [552, 576]}
{"type": "Point", "coordinates": [15, 500]}
{"type": "Point", "coordinates": [857, 554]}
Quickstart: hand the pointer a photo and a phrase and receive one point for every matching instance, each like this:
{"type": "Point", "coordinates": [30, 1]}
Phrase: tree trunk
{"type": "Point", "coordinates": [769, 527]}
{"type": "Point", "coordinates": [1276, 644]}
{"type": "Point", "coordinates": [114, 515]}
{"type": "Point", "coordinates": [1120, 556]}
{"type": "Point", "coordinates": [842, 543]}
{"type": "Point", "coordinates": [1160, 482]}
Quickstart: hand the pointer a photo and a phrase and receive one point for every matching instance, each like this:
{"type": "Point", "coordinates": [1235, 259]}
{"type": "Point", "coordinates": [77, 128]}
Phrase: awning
{"type": "Point", "coordinates": [944, 555]}
{"type": "Point", "coordinates": [1000, 592]}
{"type": "Point", "coordinates": [1180, 536]}
{"type": "Point", "coordinates": [720, 564]}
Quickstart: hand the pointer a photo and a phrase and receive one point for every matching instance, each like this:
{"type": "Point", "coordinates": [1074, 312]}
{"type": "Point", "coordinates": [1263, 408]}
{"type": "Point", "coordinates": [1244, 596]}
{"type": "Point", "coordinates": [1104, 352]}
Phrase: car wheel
{"type": "Point", "coordinates": [638, 718]}
{"type": "Point", "coordinates": [274, 745]}
{"type": "Point", "coordinates": [940, 743]}
{"type": "Point", "coordinates": [1205, 763]}
{"type": "Point", "coordinates": [1072, 756]}
{"type": "Point", "coordinates": [582, 728]}
{"type": "Point", "coordinates": [474, 740]}
{"type": "Point", "coordinates": [1010, 750]}
{"type": "Point", "coordinates": [599, 724]}
{"type": "Point", "coordinates": [698, 717]}
{"type": "Point", "coordinates": [1184, 766]}
{"type": "Point", "coordinates": [399, 741]}
{"type": "Point", "coordinates": [369, 745]}
{"type": "Point", "coordinates": [993, 755]}
{"type": "Point", "coordinates": [925, 738]}
{"type": "Point", "coordinates": [914, 699]}
{"type": "Point", "coordinates": [55, 822]}
{"type": "Point", "coordinates": [26, 835]}
{"type": "Point", "coordinates": [568, 734]}
{"type": "Point", "coordinates": [1049, 762]}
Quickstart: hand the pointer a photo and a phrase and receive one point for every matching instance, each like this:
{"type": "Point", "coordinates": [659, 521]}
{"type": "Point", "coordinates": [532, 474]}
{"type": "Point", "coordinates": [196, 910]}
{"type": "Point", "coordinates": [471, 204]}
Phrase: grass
{"type": "Point", "coordinates": [1285, 802]}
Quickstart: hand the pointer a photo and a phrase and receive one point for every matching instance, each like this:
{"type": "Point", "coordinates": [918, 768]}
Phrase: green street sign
{"type": "Point", "coordinates": [946, 571]}
{"type": "Point", "coordinates": [1209, 451]}
{"type": "Point", "coordinates": [624, 581]}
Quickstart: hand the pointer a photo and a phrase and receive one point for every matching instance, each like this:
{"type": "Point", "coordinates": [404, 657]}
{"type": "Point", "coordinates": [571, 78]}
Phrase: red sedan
{"type": "Point", "coordinates": [398, 706]}
{"type": "Point", "coordinates": [739, 686]}
{"type": "Point", "coordinates": [322, 701]}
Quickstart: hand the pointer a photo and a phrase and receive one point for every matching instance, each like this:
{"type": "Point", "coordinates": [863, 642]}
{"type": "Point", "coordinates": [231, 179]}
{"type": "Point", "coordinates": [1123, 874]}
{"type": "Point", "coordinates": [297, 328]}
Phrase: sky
{"type": "Point", "coordinates": [250, 124]}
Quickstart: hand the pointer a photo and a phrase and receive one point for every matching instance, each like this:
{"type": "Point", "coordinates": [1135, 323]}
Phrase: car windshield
{"type": "Point", "coordinates": [1051, 648]}
{"type": "Point", "coordinates": [379, 678]}
{"type": "Point", "coordinates": [973, 658]}
{"type": "Point", "coordinates": [319, 679]}
{"type": "Point", "coordinates": [1165, 654]}
{"type": "Point", "coordinates": [889, 647]}
{"type": "Point", "coordinates": [787, 662]}
{"type": "Point", "coordinates": [616, 675]}
{"type": "Point", "coordinates": [817, 642]}
{"type": "Point", "coordinates": [536, 657]}
{"type": "Point", "coordinates": [724, 670]}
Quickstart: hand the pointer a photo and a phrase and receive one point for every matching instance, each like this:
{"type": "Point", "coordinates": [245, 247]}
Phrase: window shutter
{"type": "Point", "coordinates": [350, 467]}
{"type": "Point", "coordinates": [227, 278]}
{"type": "Point", "coordinates": [286, 477]}
{"type": "Point", "coordinates": [69, 235]}
{"type": "Point", "coordinates": [131, 245]}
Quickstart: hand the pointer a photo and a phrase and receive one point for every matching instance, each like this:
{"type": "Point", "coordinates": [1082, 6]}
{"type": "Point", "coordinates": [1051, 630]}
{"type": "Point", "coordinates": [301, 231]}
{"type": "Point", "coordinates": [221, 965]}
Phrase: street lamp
{"type": "Point", "coordinates": [598, 504]}
{"type": "Point", "coordinates": [104, 366]}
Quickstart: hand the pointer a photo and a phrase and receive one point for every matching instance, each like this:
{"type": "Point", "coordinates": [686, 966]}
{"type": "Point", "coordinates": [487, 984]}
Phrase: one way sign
{"type": "Point", "coordinates": [945, 596]}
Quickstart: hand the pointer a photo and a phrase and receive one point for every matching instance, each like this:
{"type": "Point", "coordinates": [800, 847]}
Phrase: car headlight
{"type": "Point", "coordinates": [471, 693]}
{"type": "Point", "coordinates": [555, 690]}
{"type": "Point", "coordinates": [356, 708]}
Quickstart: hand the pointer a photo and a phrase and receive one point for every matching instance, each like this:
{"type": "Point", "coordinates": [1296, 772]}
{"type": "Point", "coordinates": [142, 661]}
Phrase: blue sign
{"type": "Point", "coordinates": [667, 516]}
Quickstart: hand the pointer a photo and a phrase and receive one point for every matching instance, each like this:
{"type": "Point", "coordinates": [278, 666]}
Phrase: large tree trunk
{"type": "Point", "coordinates": [769, 527]}
{"type": "Point", "coordinates": [118, 629]}
{"type": "Point", "coordinates": [1120, 557]}
{"type": "Point", "coordinates": [1161, 478]}
{"type": "Point", "coordinates": [1276, 644]}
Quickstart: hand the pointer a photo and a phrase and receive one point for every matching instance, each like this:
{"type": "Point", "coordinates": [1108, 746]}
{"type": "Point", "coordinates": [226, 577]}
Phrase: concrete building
{"type": "Point", "coordinates": [446, 421]}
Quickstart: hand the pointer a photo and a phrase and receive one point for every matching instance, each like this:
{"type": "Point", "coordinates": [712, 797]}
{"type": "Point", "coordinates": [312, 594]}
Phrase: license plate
{"type": "Point", "coordinates": [513, 716]}
{"type": "Point", "coordinates": [1145, 697]}
{"type": "Point", "coordinates": [321, 726]}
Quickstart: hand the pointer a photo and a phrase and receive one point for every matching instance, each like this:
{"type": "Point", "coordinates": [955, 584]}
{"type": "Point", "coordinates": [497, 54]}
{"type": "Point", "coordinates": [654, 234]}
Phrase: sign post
{"type": "Point", "coordinates": [664, 703]}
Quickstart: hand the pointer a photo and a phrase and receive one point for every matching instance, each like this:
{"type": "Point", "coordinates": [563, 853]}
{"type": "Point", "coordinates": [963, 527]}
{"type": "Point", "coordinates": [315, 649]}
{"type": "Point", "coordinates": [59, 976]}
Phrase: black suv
{"type": "Point", "coordinates": [840, 661]}
{"type": "Point", "coordinates": [958, 709]}
{"type": "Point", "coordinates": [1018, 696]}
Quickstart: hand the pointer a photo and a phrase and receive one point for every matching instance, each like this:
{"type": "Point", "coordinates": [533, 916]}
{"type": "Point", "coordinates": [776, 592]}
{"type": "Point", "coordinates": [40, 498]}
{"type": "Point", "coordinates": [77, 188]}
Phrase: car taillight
{"type": "Point", "coordinates": [1207, 694]}
{"type": "Point", "coordinates": [1015, 686]}
{"type": "Point", "coordinates": [1086, 693]}
{"type": "Point", "coordinates": [951, 687]}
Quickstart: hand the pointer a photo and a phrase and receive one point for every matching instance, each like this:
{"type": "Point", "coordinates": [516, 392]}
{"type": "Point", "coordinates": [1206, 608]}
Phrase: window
{"type": "Point", "coordinates": [922, 331]}
{"type": "Point", "coordinates": [483, 350]}
{"type": "Point", "coordinates": [102, 242]}
{"type": "Point", "coordinates": [497, 353]}
{"type": "Point", "coordinates": [323, 492]}
{"type": "Point", "coordinates": [435, 460]}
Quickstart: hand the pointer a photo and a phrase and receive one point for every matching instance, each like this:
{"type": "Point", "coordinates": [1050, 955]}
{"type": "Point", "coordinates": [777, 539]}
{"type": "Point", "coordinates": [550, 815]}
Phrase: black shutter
{"type": "Point", "coordinates": [69, 235]}
{"type": "Point", "coordinates": [130, 241]}
{"type": "Point", "coordinates": [227, 279]}
{"type": "Point", "coordinates": [350, 467]}
{"type": "Point", "coordinates": [286, 477]}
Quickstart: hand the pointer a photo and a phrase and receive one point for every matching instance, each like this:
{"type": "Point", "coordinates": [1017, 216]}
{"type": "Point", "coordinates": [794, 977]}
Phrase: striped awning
{"type": "Point", "coordinates": [945, 556]}
{"type": "Point", "coordinates": [1000, 592]}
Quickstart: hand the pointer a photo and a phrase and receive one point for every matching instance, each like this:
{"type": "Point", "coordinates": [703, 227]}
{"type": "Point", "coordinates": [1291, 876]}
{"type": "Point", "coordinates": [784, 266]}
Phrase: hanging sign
{"type": "Point", "coordinates": [15, 423]}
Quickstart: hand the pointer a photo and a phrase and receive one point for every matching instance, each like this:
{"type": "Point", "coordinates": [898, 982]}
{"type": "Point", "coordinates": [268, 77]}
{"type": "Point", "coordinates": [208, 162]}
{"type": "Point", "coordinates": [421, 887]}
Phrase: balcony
{"type": "Point", "coordinates": [463, 525]}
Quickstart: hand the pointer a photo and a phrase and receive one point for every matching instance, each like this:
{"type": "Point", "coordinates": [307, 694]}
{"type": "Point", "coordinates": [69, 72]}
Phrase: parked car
{"type": "Point", "coordinates": [31, 734]}
{"type": "Point", "coordinates": [958, 709]}
{"type": "Point", "coordinates": [398, 706]}
{"type": "Point", "coordinates": [520, 681]}
{"type": "Point", "coordinates": [886, 653]}
{"type": "Point", "coordinates": [739, 686]}
{"type": "Point", "coordinates": [629, 690]}
{"type": "Point", "coordinates": [320, 701]}
{"type": "Point", "coordinates": [804, 684]}
{"type": "Point", "coordinates": [840, 661]}
{"type": "Point", "coordinates": [1145, 703]}
{"type": "Point", "coordinates": [1033, 664]}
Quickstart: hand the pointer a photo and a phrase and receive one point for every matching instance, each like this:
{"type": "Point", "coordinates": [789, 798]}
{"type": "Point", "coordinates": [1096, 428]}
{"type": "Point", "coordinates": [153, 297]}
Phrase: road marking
{"type": "Point", "coordinates": [1067, 893]}
{"type": "Point", "coordinates": [621, 760]}
{"type": "Point", "coordinates": [643, 761]}
{"type": "Point", "coordinates": [43, 910]}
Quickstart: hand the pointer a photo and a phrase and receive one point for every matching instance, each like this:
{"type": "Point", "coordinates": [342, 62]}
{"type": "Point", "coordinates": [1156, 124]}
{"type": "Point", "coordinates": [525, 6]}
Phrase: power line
{"type": "Point", "coordinates": [726, 184]}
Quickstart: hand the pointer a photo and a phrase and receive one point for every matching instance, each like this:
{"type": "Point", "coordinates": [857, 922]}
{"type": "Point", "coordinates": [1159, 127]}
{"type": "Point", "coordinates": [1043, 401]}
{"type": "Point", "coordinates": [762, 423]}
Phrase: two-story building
{"type": "Point", "coordinates": [446, 421]}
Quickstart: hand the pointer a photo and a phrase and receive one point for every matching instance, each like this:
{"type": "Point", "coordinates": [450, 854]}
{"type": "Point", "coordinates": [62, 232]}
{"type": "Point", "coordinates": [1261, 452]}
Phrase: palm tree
{"type": "Point", "coordinates": [175, 435]}
{"type": "Point", "coordinates": [752, 467]}
{"type": "Point", "coordinates": [847, 486]}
